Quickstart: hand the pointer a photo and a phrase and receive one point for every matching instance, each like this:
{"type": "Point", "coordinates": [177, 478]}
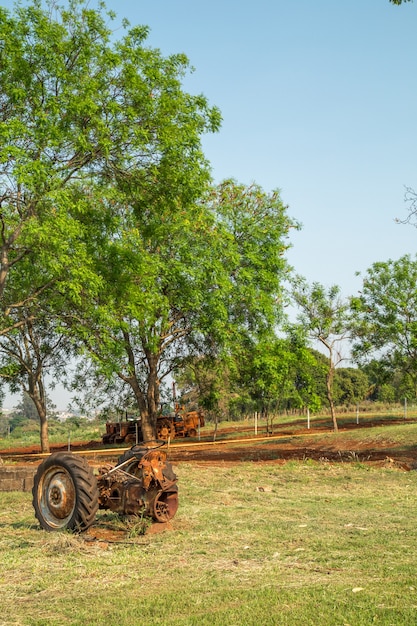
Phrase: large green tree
{"type": "Point", "coordinates": [385, 317]}
{"type": "Point", "coordinates": [93, 130]}
{"type": "Point", "coordinates": [188, 279]}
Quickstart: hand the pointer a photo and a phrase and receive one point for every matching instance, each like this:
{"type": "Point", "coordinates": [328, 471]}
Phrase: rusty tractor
{"type": "Point", "coordinates": [180, 424]}
{"type": "Point", "coordinates": [187, 423]}
{"type": "Point", "coordinates": [67, 494]}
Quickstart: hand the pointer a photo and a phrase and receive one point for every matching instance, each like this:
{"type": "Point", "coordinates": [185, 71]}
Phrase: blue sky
{"type": "Point", "coordinates": [319, 99]}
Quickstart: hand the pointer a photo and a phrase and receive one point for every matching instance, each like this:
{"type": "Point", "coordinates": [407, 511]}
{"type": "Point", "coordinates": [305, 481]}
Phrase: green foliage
{"type": "Point", "coordinates": [185, 281]}
{"type": "Point", "coordinates": [18, 421]}
{"type": "Point", "coordinates": [255, 227]}
{"type": "Point", "coordinates": [386, 393]}
{"type": "Point", "coordinates": [351, 386]}
{"type": "Point", "coordinates": [322, 312]}
{"type": "Point", "coordinates": [324, 315]}
{"type": "Point", "coordinates": [274, 372]}
{"type": "Point", "coordinates": [85, 122]}
{"type": "Point", "coordinates": [384, 319]}
{"type": "Point", "coordinates": [269, 374]}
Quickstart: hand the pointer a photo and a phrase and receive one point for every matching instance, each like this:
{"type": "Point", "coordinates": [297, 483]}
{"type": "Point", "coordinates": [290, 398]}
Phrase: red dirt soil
{"type": "Point", "coordinates": [288, 442]}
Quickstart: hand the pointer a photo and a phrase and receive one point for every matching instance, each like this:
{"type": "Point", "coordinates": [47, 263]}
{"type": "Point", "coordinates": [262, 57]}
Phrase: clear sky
{"type": "Point", "coordinates": [319, 99]}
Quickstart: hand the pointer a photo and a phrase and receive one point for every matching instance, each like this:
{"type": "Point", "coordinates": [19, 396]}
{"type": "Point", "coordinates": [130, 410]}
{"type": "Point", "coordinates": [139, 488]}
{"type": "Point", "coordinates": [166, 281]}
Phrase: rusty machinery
{"type": "Point", "coordinates": [182, 423]}
{"type": "Point", "coordinates": [67, 494]}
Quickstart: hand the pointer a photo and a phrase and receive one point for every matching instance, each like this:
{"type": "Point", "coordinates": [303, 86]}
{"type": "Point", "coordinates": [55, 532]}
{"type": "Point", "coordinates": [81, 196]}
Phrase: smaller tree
{"type": "Point", "coordinates": [27, 353]}
{"type": "Point", "coordinates": [26, 407]}
{"type": "Point", "coordinates": [384, 319]}
{"type": "Point", "coordinates": [324, 316]}
{"type": "Point", "coordinates": [267, 372]}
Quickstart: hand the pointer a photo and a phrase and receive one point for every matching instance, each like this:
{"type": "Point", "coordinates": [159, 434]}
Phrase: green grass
{"type": "Point", "coordinates": [58, 433]}
{"type": "Point", "coordinates": [299, 544]}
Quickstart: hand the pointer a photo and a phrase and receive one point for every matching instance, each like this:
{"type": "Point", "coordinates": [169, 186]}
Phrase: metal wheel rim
{"type": "Point", "coordinates": [165, 506]}
{"type": "Point", "coordinates": [57, 496]}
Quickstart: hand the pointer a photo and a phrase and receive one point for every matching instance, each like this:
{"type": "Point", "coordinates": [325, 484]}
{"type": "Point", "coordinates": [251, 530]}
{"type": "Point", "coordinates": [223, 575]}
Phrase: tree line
{"type": "Point", "coordinates": [119, 256]}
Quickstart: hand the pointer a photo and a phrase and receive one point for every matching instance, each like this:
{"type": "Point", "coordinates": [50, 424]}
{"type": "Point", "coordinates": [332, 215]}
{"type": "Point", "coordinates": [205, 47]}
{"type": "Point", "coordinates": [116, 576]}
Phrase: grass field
{"type": "Point", "coordinates": [298, 544]}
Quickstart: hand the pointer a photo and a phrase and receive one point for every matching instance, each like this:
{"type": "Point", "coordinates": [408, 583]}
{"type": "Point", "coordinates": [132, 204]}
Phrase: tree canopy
{"type": "Point", "coordinates": [184, 283]}
{"type": "Point", "coordinates": [385, 317]}
{"type": "Point", "coordinates": [81, 120]}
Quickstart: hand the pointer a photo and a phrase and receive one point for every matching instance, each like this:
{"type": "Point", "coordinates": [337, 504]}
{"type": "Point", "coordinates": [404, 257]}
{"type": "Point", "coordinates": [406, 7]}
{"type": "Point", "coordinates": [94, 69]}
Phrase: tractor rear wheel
{"type": "Point", "coordinates": [65, 493]}
{"type": "Point", "coordinates": [165, 430]}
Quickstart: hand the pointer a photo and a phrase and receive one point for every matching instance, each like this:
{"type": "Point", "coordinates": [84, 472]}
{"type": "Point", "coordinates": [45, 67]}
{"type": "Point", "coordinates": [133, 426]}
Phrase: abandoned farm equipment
{"type": "Point", "coordinates": [179, 424]}
{"type": "Point", "coordinates": [67, 494]}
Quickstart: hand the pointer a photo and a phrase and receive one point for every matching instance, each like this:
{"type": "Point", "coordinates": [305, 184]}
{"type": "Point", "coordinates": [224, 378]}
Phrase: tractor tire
{"type": "Point", "coordinates": [65, 493]}
{"type": "Point", "coordinates": [165, 430]}
{"type": "Point", "coordinates": [192, 432]}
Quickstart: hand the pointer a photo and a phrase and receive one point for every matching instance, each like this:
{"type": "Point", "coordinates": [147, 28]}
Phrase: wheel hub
{"type": "Point", "coordinates": [60, 496]}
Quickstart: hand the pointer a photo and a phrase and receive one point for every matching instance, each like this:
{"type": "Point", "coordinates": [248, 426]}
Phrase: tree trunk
{"type": "Point", "coordinates": [38, 398]}
{"type": "Point", "coordinates": [148, 404]}
{"type": "Point", "coordinates": [148, 432]}
{"type": "Point", "coordinates": [152, 396]}
{"type": "Point", "coordinates": [329, 389]}
{"type": "Point", "coordinates": [44, 434]}
{"type": "Point", "coordinates": [147, 400]}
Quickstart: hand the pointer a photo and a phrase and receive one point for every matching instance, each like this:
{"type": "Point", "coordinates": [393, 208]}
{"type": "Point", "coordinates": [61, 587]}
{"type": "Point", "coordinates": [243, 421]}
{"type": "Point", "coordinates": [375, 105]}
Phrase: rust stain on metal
{"type": "Point", "coordinates": [66, 494]}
